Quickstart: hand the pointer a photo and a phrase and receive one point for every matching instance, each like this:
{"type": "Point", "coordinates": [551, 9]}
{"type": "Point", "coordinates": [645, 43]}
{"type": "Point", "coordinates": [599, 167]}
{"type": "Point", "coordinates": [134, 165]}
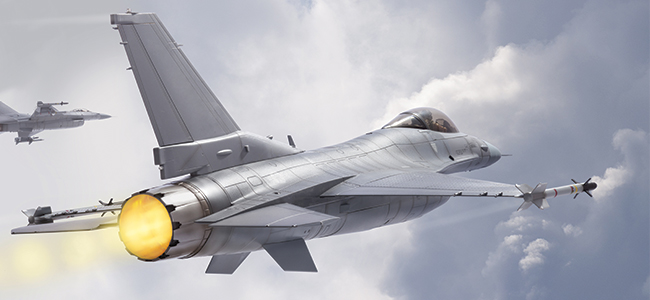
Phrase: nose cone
{"type": "Point", "coordinates": [495, 154]}
{"type": "Point", "coordinates": [104, 116]}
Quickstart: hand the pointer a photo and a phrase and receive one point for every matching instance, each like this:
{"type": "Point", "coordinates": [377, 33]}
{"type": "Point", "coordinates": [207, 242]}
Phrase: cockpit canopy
{"type": "Point", "coordinates": [424, 118]}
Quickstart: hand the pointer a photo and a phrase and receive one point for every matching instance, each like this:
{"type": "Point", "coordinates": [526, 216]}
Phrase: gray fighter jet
{"type": "Point", "coordinates": [241, 192]}
{"type": "Point", "coordinates": [45, 117]}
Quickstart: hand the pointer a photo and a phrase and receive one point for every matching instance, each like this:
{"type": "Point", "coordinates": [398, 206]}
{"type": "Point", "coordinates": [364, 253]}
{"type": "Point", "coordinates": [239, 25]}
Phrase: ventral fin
{"type": "Point", "coordinates": [292, 255]}
{"type": "Point", "coordinates": [226, 263]}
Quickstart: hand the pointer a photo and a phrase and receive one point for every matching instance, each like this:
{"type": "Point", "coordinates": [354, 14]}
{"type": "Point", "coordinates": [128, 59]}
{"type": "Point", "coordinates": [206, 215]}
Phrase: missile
{"type": "Point", "coordinates": [540, 193]}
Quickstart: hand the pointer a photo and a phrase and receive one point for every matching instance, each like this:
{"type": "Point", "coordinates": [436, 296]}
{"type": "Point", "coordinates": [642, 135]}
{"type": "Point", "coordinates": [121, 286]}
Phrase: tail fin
{"type": "Point", "coordinates": [6, 110]}
{"type": "Point", "coordinates": [195, 132]}
{"type": "Point", "coordinates": [535, 196]}
{"type": "Point", "coordinates": [181, 106]}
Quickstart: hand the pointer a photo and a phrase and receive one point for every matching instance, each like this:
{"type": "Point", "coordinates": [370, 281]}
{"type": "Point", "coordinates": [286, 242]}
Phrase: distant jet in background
{"type": "Point", "coordinates": [45, 117]}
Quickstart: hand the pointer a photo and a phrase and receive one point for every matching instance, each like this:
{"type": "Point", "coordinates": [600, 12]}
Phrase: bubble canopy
{"type": "Point", "coordinates": [423, 118]}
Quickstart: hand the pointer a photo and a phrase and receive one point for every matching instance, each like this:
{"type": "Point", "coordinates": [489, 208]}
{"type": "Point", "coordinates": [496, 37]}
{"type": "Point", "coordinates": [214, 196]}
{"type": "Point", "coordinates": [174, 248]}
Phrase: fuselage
{"type": "Point", "coordinates": [47, 121]}
{"type": "Point", "coordinates": [390, 149]}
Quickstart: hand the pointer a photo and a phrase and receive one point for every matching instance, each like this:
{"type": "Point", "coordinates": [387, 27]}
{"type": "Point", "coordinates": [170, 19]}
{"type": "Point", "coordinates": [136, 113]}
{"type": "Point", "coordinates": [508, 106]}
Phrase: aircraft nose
{"type": "Point", "coordinates": [495, 154]}
{"type": "Point", "coordinates": [104, 116]}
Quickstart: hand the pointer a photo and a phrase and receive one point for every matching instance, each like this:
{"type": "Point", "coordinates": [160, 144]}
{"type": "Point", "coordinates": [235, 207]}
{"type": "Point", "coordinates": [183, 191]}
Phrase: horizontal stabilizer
{"type": "Point", "coordinates": [292, 256]}
{"type": "Point", "coordinates": [279, 215]}
{"type": "Point", "coordinates": [67, 226]}
{"type": "Point", "coordinates": [225, 264]}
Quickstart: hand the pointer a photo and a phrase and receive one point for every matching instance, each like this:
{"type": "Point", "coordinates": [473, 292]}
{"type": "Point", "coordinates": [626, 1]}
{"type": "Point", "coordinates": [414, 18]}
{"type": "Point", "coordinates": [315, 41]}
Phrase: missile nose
{"type": "Point", "coordinates": [495, 154]}
{"type": "Point", "coordinates": [104, 116]}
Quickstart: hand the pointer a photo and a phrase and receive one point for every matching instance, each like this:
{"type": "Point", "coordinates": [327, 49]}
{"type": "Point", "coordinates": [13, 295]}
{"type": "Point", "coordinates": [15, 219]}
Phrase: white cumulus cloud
{"type": "Point", "coordinates": [571, 230]}
{"type": "Point", "coordinates": [534, 255]}
{"type": "Point", "coordinates": [633, 144]}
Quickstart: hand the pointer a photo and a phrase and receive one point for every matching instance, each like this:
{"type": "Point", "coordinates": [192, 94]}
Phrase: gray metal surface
{"type": "Point", "coordinates": [6, 110]}
{"type": "Point", "coordinates": [279, 215]}
{"type": "Point", "coordinates": [225, 264]}
{"type": "Point", "coordinates": [292, 256]}
{"type": "Point", "coordinates": [195, 133]}
{"type": "Point", "coordinates": [424, 183]}
{"type": "Point", "coordinates": [181, 107]}
{"type": "Point", "coordinates": [209, 155]}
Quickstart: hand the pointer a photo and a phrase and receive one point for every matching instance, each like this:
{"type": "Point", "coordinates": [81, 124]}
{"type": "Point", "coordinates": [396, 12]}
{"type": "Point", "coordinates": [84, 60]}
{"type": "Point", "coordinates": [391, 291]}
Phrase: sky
{"type": "Point", "coordinates": [563, 86]}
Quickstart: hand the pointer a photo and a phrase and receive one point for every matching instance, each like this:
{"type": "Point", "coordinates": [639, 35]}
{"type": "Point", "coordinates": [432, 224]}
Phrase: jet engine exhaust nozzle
{"type": "Point", "coordinates": [145, 227]}
{"type": "Point", "coordinates": [159, 223]}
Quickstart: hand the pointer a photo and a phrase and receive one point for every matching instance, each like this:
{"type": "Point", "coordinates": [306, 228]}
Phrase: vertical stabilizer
{"type": "Point", "coordinates": [6, 110]}
{"type": "Point", "coordinates": [195, 133]}
{"type": "Point", "coordinates": [181, 106]}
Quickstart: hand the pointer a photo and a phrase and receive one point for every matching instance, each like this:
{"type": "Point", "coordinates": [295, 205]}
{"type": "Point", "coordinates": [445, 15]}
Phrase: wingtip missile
{"type": "Point", "coordinates": [540, 193]}
{"type": "Point", "coordinates": [42, 219]}
{"type": "Point", "coordinates": [41, 103]}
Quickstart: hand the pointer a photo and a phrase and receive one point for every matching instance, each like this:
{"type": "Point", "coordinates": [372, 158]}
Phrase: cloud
{"type": "Point", "coordinates": [491, 17]}
{"type": "Point", "coordinates": [511, 244]}
{"type": "Point", "coordinates": [518, 223]}
{"type": "Point", "coordinates": [492, 83]}
{"type": "Point", "coordinates": [571, 230]}
{"type": "Point", "coordinates": [633, 144]}
{"type": "Point", "coordinates": [534, 255]}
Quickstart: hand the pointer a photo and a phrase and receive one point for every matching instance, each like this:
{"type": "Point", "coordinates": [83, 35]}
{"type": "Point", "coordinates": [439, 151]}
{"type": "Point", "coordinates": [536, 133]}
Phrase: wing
{"type": "Point", "coordinates": [421, 183]}
{"type": "Point", "coordinates": [181, 107]}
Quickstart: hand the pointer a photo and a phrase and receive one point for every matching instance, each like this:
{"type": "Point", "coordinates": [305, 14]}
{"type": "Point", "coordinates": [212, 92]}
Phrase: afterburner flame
{"type": "Point", "coordinates": [145, 226]}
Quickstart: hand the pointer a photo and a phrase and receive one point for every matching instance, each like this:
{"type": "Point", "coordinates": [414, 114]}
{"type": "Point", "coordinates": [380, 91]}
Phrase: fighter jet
{"type": "Point", "coordinates": [241, 192]}
{"type": "Point", "coordinates": [45, 117]}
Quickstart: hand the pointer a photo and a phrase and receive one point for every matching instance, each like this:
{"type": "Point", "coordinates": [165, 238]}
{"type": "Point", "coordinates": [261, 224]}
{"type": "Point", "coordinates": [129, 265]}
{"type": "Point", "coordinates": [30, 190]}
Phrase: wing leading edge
{"type": "Point", "coordinates": [421, 183]}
